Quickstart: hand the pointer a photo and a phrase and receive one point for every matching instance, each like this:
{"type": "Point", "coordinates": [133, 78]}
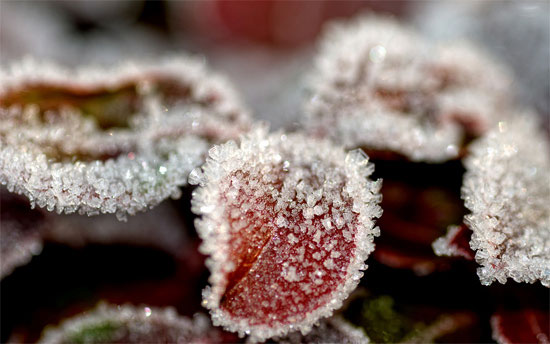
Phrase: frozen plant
{"type": "Point", "coordinates": [376, 84]}
{"type": "Point", "coordinates": [507, 189]}
{"type": "Point", "coordinates": [110, 140]}
{"type": "Point", "coordinates": [131, 324]}
{"type": "Point", "coordinates": [287, 222]}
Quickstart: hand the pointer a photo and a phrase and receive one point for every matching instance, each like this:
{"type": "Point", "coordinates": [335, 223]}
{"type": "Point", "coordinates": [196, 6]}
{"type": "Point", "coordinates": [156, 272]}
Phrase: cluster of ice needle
{"type": "Point", "coordinates": [63, 159]}
{"type": "Point", "coordinates": [130, 324]}
{"type": "Point", "coordinates": [507, 190]}
{"type": "Point", "coordinates": [288, 223]}
{"type": "Point", "coordinates": [376, 84]}
{"type": "Point", "coordinates": [286, 219]}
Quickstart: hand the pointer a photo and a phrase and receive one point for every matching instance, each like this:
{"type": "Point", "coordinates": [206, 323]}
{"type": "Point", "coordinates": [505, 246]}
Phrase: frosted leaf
{"type": "Point", "coordinates": [455, 243]}
{"type": "Point", "coordinates": [114, 140]}
{"type": "Point", "coordinates": [377, 85]}
{"type": "Point", "coordinates": [131, 324]}
{"type": "Point", "coordinates": [332, 330]}
{"type": "Point", "coordinates": [521, 326]}
{"type": "Point", "coordinates": [507, 189]}
{"type": "Point", "coordinates": [275, 264]}
{"type": "Point", "coordinates": [20, 232]}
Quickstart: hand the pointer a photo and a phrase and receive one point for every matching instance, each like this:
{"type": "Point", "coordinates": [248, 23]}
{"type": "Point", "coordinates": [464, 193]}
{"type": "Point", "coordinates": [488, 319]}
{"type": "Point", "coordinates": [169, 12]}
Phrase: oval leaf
{"type": "Point", "coordinates": [288, 223]}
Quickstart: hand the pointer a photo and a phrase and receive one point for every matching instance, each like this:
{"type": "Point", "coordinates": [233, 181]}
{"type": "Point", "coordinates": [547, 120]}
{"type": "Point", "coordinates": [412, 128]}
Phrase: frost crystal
{"type": "Point", "coordinates": [454, 243]}
{"type": "Point", "coordinates": [287, 222]}
{"type": "Point", "coordinates": [115, 140]}
{"type": "Point", "coordinates": [507, 189]}
{"type": "Point", "coordinates": [333, 330]}
{"type": "Point", "coordinates": [130, 324]}
{"type": "Point", "coordinates": [379, 86]}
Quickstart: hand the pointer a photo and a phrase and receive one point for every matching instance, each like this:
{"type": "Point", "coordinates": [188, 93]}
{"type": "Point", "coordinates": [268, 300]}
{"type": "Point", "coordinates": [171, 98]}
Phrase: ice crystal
{"type": "Point", "coordinates": [131, 324]}
{"type": "Point", "coordinates": [20, 232]}
{"type": "Point", "coordinates": [455, 243]}
{"type": "Point", "coordinates": [507, 189]}
{"type": "Point", "coordinates": [114, 140]}
{"type": "Point", "coordinates": [378, 85]}
{"type": "Point", "coordinates": [333, 330]}
{"type": "Point", "coordinates": [287, 222]}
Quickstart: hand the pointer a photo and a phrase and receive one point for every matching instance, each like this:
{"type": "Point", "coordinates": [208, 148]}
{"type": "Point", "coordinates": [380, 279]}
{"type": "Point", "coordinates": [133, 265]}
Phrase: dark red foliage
{"type": "Point", "coordinates": [521, 326]}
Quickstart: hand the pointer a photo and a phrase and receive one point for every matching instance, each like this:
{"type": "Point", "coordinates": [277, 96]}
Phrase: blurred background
{"type": "Point", "coordinates": [266, 47]}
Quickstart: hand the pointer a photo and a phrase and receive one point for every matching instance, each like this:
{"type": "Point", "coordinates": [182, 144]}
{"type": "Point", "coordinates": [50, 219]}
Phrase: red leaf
{"type": "Point", "coordinates": [287, 222]}
{"type": "Point", "coordinates": [522, 326]}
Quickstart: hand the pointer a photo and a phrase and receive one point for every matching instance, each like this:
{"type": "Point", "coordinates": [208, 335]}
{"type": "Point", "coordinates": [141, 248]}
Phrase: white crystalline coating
{"type": "Point", "coordinates": [444, 246]}
{"type": "Point", "coordinates": [332, 330]}
{"type": "Point", "coordinates": [507, 189]}
{"type": "Point", "coordinates": [268, 179]}
{"type": "Point", "coordinates": [63, 160]}
{"type": "Point", "coordinates": [122, 186]}
{"type": "Point", "coordinates": [376, 84]}
{"type": "Point", "coordinates": [131, 324]}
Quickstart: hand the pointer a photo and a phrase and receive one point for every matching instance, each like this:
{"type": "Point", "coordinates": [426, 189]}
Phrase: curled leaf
{"type": "Point", "coordinates": [506, 188]}
{"type": "Point", "coordinates": [287, 222]}
{"type": "Point", "coordinates": [378, 85]}
{"type": "Point", "coordinates": [115, 140]}
{"type": "Point", "coordinates": [130, 324]}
